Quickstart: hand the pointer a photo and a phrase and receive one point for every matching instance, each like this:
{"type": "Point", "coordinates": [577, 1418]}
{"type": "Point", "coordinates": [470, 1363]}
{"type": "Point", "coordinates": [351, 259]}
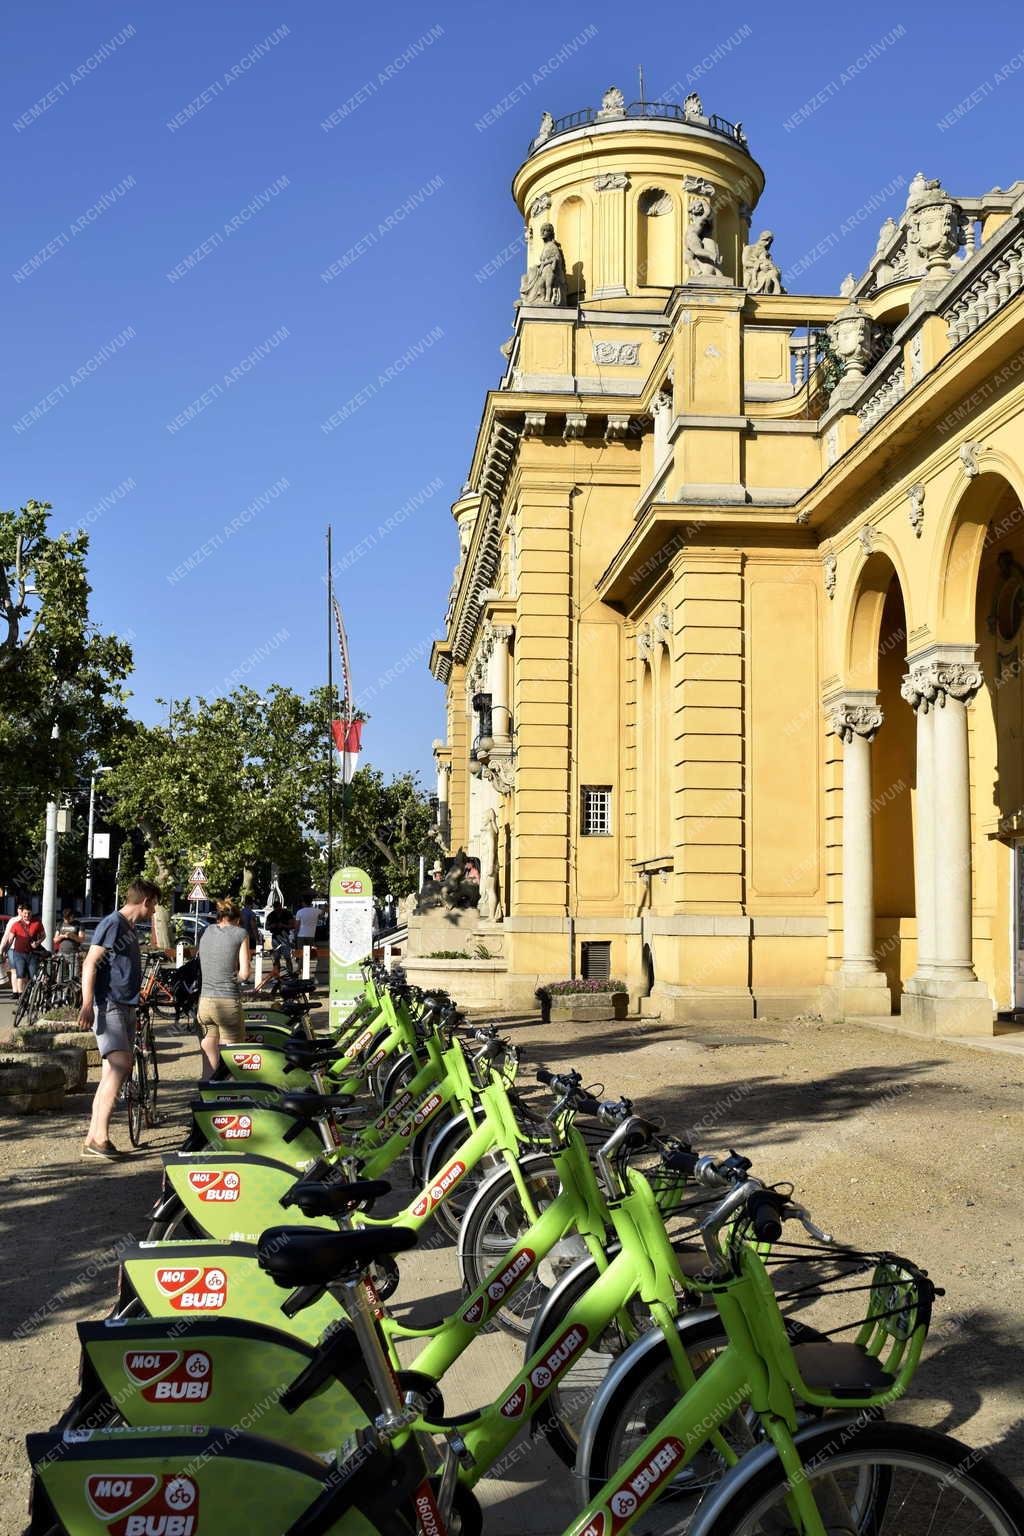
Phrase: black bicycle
{"type": "Point", "coordinates": [141, 1086]}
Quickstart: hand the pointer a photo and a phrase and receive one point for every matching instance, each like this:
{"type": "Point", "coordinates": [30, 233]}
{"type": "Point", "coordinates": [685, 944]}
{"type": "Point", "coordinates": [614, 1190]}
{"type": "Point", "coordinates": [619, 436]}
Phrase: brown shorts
{"type": "Point", "coordinates": [222, 1017]}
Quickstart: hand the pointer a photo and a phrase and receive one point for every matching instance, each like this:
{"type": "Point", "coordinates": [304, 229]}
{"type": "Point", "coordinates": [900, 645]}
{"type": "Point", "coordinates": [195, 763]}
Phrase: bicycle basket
{"type": "Point", "coordinates": [877, 1364]}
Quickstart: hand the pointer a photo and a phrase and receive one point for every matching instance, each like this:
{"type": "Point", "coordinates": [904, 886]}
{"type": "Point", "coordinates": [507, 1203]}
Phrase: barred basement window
{"type": "Point", "coordinates": [596, 960]}
{"type": "Point", "coordinates": [596, 810]}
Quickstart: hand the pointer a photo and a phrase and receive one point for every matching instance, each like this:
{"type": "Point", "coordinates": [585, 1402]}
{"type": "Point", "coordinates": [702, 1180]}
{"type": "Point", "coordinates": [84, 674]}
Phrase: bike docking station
{"type": "Point", "coordinates": [350, 941]}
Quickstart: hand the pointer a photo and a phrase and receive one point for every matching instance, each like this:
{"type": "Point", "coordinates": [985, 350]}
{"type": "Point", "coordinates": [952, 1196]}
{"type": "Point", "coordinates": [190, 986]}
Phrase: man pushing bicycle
{"type": "Point", "coordinates": [111, 978]}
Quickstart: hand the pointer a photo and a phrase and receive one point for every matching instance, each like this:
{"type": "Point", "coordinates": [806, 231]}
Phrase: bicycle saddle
{"type": "Point", "coordinates": [324, 1197]}
{"type": "Point", "coordinates": [297, 1256]}
{"type": "Point", "coordinates": [308, 1104]}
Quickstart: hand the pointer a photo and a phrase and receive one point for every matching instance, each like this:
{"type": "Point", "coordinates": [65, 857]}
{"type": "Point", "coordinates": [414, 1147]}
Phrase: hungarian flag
{"type": "Point", "coordinates": [347, 735]}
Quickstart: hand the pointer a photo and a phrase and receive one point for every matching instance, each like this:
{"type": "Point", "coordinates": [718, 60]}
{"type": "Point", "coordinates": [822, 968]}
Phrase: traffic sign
{"type": "Point", "coordinates": [197, 893]}
{"type": "Point", "coordinates": [199, 875]}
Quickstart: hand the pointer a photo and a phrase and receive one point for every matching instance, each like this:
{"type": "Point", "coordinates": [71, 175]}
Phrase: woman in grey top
{"type": "Point", "coordinates": [224, 961]}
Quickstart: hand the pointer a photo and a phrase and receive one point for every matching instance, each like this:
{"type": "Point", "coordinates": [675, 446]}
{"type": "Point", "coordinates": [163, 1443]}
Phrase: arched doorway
{"type": "Point", "coordinates": [893, 785]}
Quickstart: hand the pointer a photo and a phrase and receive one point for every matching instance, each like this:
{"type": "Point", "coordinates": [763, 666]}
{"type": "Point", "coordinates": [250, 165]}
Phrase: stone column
{"type": "Point", "coordinates": [444, 769]}
{"type": "Point", "coordinates": [498, 685]}
{"type": "Point", "coordinates": [944, 996]}
{"type": "Point", "coordinates": [859, 986]}
{"type": "Point", "coordinates": [609, 235]}
{"type": "Point", "coordinates": [661, 410]}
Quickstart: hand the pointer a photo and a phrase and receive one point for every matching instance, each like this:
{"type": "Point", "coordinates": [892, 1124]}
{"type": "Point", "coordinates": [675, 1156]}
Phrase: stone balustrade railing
{"type": "Point", "coordinates": [988, 290]}
{"type": "Point", "coordinates": [887, 392]}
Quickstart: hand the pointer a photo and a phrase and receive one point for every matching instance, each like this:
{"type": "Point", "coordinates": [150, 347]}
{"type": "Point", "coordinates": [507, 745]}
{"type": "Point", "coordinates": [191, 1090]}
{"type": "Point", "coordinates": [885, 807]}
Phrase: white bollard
{"type": "Point", "coordinates": [387, 957]}
{"type": "Point", "coordinates": [306, 953]}
{"type": "Point", "coordinates": [258, 970]}
{"type": "Point", "coordinates": [179, 954]}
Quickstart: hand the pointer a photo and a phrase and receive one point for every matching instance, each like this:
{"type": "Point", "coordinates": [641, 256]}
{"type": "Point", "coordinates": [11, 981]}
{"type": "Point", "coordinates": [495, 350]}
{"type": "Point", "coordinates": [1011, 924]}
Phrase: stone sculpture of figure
{"type": "Point", "coordinates": [703, 258]}
{"type": "Point", "coordinates": [458, 889]}
{"type": "Point", "coordinates": [547, 127]}
{"type": "Point", "coordinates": [693, 106]}
{"type": "Point", "coordinates": [490, 883]}
{"type": "Point", "coordinates": [544, 283]}
{"type": "Point", "coordinates": [760, 274]}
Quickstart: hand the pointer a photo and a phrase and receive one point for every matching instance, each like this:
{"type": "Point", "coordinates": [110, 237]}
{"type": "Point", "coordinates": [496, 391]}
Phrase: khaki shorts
{"type": "Point", "coordinates": [223, 1018]}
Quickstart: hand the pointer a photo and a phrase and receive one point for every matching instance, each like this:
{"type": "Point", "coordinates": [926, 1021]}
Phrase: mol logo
{"type": "Point", "coordinates": [393, 1110]}
{"type": "Point", "coordinates": [233, 1127]}
{"type": "Point", "coordinates": [440, 1190]}
{"type": "Point", "coordinates": [224, 1185]}
{"type": "Point", "coordinates": [359, 1045]}
{"type": "Point", "coordinates": [248, 1061]}
{"type": "Point", "coordinates": [542, 1376]}
{"type": "Point", "coordinates": [145, 1504]}
{"type": "Point", "coordinates": [596, 1527]}
{"type": "Point", "coordinates": [667, 1456]}
{"type": "Point", "coordinates": [428, 1106]}
{"type": "Point", "coordinates": [194, 1289]}
{"type": "Point", "coordinates": [171, 1376]}
{"type": "Point", "coordinates": [519, 1265]}
{"type": "Point", "coordinates": [352, 887]}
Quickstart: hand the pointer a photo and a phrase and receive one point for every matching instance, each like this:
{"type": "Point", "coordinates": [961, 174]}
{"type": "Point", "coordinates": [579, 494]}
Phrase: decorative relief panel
{"type": "Point", "coordinates": [617, 354]}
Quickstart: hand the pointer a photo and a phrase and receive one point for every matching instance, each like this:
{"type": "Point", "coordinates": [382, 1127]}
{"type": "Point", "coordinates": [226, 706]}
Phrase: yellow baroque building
{"type": "Point", "coordinates": [733, 650]}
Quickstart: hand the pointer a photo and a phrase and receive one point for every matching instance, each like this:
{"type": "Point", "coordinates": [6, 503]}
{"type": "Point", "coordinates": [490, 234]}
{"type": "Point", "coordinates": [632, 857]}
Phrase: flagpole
{"type": "Point", "coordinates": [330, 710]}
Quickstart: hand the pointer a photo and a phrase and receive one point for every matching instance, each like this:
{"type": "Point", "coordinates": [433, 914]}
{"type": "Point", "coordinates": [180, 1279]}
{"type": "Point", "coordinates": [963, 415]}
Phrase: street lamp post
{"type": "Point", "coordinates": [88, 846]}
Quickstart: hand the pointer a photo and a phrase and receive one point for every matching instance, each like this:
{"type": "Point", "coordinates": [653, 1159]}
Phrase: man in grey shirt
{"type": "Point", "coordinates": [111, 977]}
{"type": "Point", "coordinates": [225, 964]}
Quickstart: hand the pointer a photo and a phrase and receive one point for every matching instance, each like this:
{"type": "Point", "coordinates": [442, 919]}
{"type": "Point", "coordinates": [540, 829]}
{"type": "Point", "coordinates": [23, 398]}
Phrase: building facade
{"type": "Point", "coordinates": [733, 650]}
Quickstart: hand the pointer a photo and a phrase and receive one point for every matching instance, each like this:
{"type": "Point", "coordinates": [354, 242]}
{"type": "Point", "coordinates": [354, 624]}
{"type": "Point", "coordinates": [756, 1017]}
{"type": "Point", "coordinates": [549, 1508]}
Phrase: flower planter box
{"type": "Point", "coordinates": [56, 1037]}
{"type": "Point", "coordinates": [584, 1007]}
{"type": "Point", "coordinates": [25, 1089]}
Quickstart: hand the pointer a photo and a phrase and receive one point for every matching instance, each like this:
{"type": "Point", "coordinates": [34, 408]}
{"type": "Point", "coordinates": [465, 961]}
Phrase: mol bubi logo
{"type": "Point", "coordinates": [393, 1110]}
{"type": "Point", "coordinates": [352, 887]}
{"type": "Point", "coordinates": [662, 1464]}
{"type": "Point", "coordinates": [361, 1042]}
{"type": "Point", "coordinates": [519, 1265]}
{"type": "Point", "coordinates": [248, 1061]}
{"type": "Point", "coordinates": [223, 1185]}
{"type": "Point", "coordinates": [440, 1189]}
{"type": "Point", "coordinates": [171, 1375]}
{"type": "Point", "coordinates": [428, 1106]}
{"type": "Point", "coordinates": [191, 1289]}
{"type": "Point", "coordinates": [145, 1504]}
{"type": "Point", "coordinates": [233, 1127]}
{"type": "Point", "coordinates": [546, 1373]}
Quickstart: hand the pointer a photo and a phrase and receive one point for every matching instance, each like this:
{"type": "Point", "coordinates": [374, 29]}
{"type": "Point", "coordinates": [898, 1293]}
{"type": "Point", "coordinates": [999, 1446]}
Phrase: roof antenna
{"type": "Point", "coordinates": [641, 69]}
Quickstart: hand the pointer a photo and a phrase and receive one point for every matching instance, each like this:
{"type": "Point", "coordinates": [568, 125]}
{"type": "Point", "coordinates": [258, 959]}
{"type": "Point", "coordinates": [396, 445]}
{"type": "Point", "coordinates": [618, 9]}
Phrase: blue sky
{"type": "Point", "coordinates": [229, 227]}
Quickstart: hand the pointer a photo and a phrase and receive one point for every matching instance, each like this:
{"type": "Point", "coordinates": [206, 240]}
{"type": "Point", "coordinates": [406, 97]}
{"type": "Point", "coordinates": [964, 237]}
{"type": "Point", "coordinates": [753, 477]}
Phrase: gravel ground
{"type": "Point", "coordinates": [890, 1142]}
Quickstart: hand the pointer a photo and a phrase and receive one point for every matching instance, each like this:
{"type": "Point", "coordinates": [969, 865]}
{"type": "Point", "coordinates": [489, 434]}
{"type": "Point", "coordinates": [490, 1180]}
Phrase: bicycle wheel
{"type": "Point", "coordinates": [134, 1092]}
{"type": "Point", "coordinates": [152, 1074]}
{"type": "Point", "coordinates": [873, 1475]}
{"type": "Point", "coordinates": [441, 1152]}
{"type": "Point", "coordinates": [493, 1225]}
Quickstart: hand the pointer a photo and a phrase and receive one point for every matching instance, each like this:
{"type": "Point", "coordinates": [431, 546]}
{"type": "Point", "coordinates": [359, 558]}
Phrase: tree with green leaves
{"type": "Point", "coordinates": [61, 694]}
{"type": "Point", "coordinates": [385, 827]}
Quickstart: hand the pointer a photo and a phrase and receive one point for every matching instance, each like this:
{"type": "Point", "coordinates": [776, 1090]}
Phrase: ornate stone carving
{"type": "Point", "coordinates": [613, 104]}
{"type": "Point", "coordinates": [936, 681]}
{"type": "Point", "coordinates": [534, 423]}
{"type": "Point", "coordinates": [969, 459]}
{"type": "Point", "coordinates": [659, 207]}
{"type": "Point", "coordinates": [661, 627]}
{"type": "Point", "coordinates": [760, 273]}
{"type": "Point", "coordinates": [644, 643]}
{"type": "Point", "coordinates": [617, 354]}
{"type": "Point", "coordinates": [490, 907]}
{"type": "Point", "coordinates": [847, 720]}
{"type": "Point", "coordinates": [917, 358]}
{"type": "Point", "coordinates": [547, 127]}
{"type": "Point", "coordinates": [661, 335]}
{"type": "Point", "coordinates": [575, 425]}
{"type": "Point", "coordinates": [830, 565]}
{"type": "Point", "coordinates": [611, 181]}
{"type": "Point", "coordinates": [540, 205]}
{"type": "Point", "coordinates": [847, 286]}
{"type": "Point", "coordinates": [851, 335]}
{"type": "Point", "coordinates": [934, 225]}
{"type": "Point", "coordinates": [617, 429]}
{"type": "Point", "coordinates": [803, 518]}
{"type": "Point", "coordinates": [698, 184]}
{"type": "Point", "coordinates": [867, 539]}
{"type": "Point", "coordinates": [544, 283]}
{"type": "Point", "coordinates": [915, 512]}
{"type": "Point", "coordinates": [700, 249]}
{"type": "Point", "coordinates": [832, 444]}
{"type": "Point", "coordinates": [693, 106]}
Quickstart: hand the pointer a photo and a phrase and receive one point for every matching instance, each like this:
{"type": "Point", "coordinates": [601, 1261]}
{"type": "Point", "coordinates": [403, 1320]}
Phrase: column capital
{"type": "Point", "coordinates": [934, 678]}
{"type": "Point", "coordinates": [855, 713]}
{"type": "Point", "coordinates": [502, 633]}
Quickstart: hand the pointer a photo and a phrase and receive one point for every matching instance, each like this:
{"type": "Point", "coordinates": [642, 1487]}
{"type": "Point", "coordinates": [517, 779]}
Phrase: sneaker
{"type": "Point", "coordinates": [104, 1149]}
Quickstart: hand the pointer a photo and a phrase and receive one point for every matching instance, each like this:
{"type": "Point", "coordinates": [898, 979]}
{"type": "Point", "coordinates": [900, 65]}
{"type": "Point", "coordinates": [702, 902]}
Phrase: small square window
{"type": "Point", "coordinates": [596, 960]}
{"type": "Point", "coordinates": [596, 810]}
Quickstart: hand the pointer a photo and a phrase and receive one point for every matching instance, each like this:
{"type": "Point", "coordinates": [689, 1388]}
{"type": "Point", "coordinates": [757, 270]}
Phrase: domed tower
{"type": "Point", "coordinates": [640, 197]}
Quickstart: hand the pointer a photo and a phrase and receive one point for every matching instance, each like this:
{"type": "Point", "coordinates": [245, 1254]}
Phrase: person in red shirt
{"type": "Point", "coordinates": [23, 938]}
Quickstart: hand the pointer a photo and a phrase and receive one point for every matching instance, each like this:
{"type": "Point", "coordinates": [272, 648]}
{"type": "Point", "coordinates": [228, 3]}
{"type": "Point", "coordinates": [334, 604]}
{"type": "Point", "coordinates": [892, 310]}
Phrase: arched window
{"type": "Point", "coordinates": [656, 239]}
{"type": "Point", "coordinates": [572, 231]}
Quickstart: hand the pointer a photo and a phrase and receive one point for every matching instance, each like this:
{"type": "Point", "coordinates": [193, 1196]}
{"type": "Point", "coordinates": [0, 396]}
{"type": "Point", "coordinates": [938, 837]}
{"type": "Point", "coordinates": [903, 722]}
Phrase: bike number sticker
{"type": "Point", "coordinates": [145, 1503]}
{"type": "Point", "coordinates": [222, 1186]}
{"type": "Point", "coordinates": [233, 1127]}
{"type": "Point", "coordinates": [193, 1289]}
{"type": "Point", "coordinates": [171, 1376]}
